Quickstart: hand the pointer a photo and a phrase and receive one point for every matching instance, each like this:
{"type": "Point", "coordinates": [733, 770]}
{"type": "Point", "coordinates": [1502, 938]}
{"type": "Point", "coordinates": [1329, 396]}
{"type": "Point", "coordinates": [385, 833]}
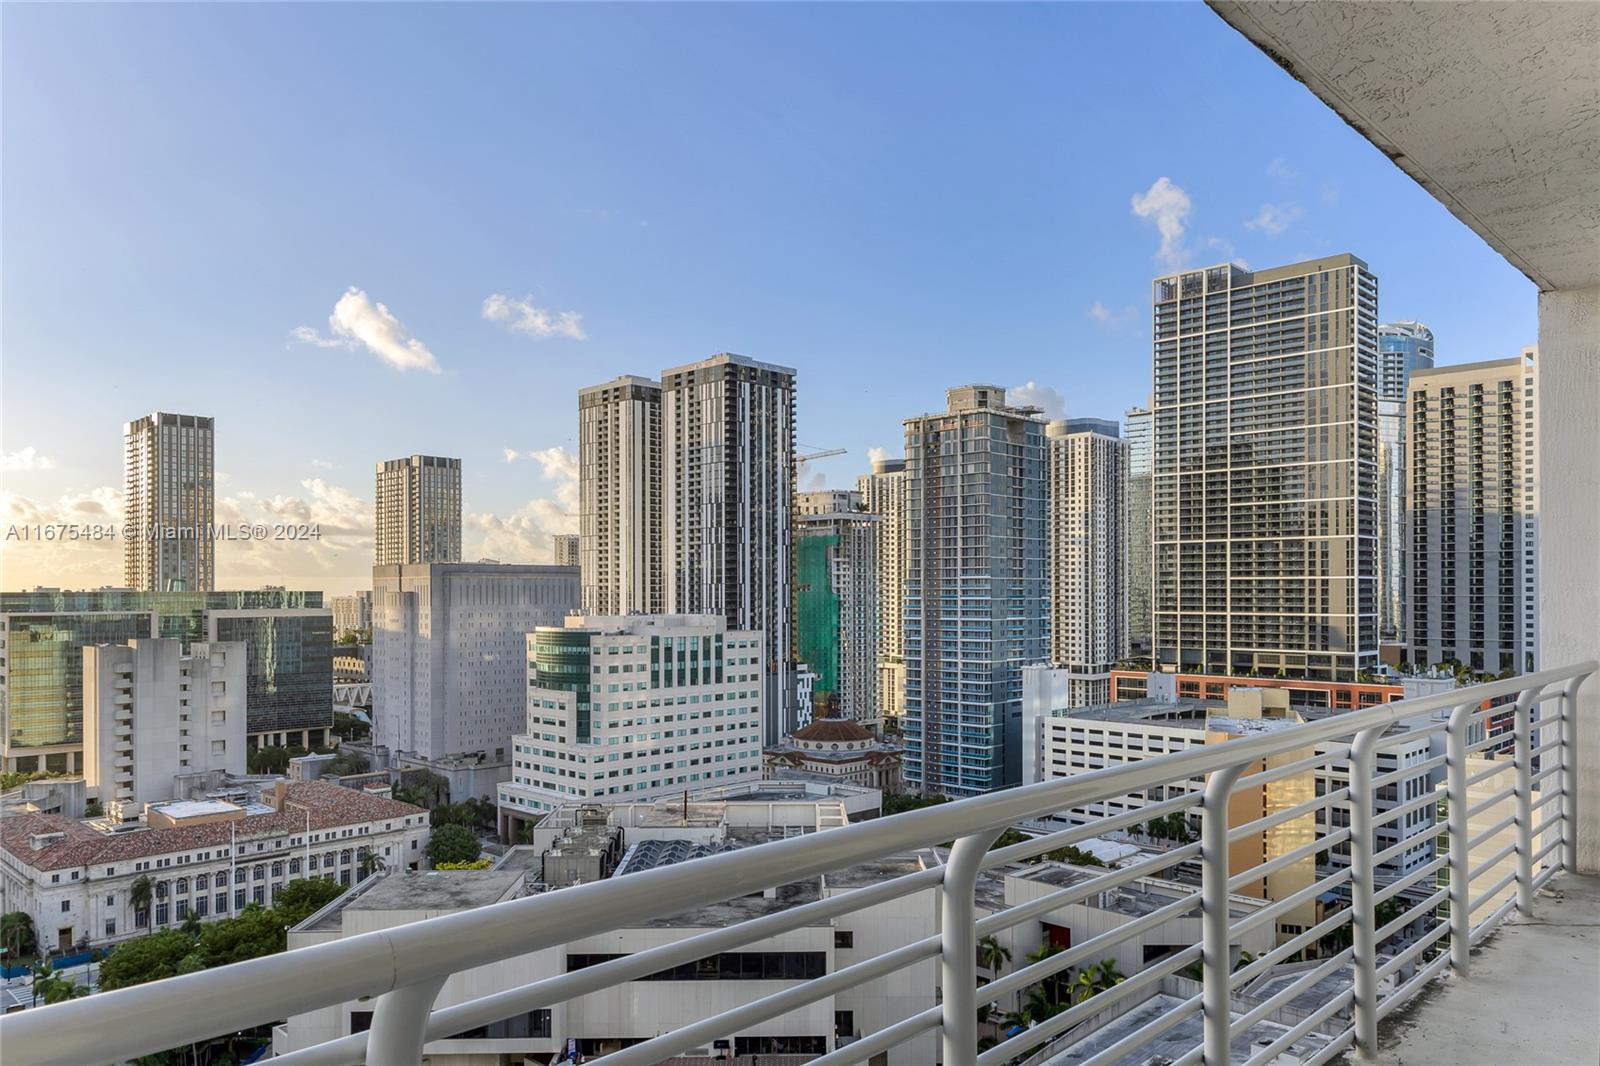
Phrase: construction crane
{"type": "Point", "coordinates": [826, 453]}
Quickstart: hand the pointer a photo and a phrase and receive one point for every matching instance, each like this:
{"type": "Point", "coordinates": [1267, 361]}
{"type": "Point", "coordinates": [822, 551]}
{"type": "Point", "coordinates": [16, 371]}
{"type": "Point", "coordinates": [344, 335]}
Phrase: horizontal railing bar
{"type": "Point", "coordinates": [1499, 827]}
{"type": "Point", "coordinates": [1335, 1047]}
{"type": "Point", "coordinates": [858, 1051]}
{"type": "Point", "coordinates": [1399, 885]}
{"type": "Point", "coordinates": [771, 1006]}
{"type": "Point", "coordinates": [1289, 902]}
{"type": "Point", "coordinates": [446, 1021]}
{"type": "Point", "coordinates": [1048, 1029]}
{"type": "Point", "coordinates": [1412, 841]}
{"type": "Point", "coordinates": [1548, 796]}
{"type": "Point", "coordinates": [1548, 848]}
{"type": "Point", "coordinates": [1499, 886]}
{"type": "Point", "coordinates": [1272, 866]}
{"type": "Point", "coordinates": [1543, 877]}
{"type": "Point", "coordinates": [1409, 771]}
{"type": "Point", "coordinates": [151, 1017]}
{"type": "Point", "coordinates": [1064, 897]}
{"type": "Point", "coordinates": [1145, 1033]}
{"type": "Point", "coordinates": [1427, 799]}
{"type": "Point", "coordinates": [1509, 792]}
{"type": "Point", "coordinates": [1060, 838]}
{"type": "Point", "coordinates": [1310, 1022]}
{"type": "Point", "coordinates": [1498, 915]}
{"type": "Point", "coordinates": [1493, 860]}
{"type": "Point", "coordinates": [1286, 995]}
{"type": "Point", "coordinates": [1500, 766]}
{"type": "Point", "coordinates": [1292, 769]}
{"type": "Point", "coordinates": [1546, 774]}
{"type": "Point", "coordinates": [1412, 914]}
{"type": "Point", "coordinates": [1545, 749]}
{"type": "Point", "coordinates": [1267, 960]}
{"type": "Point", "coordinates": [1406, 992]}
{"type": "Point", "coordinates": [1493, 740]}
{"type": "Point", "coordinates": [1288, 814]}
{"type": "Point", "coordinates": [1035, 972]}
{"type": "Point", "coordinates": [1549, 825]}
{"type": "Point", "coordinates": [1411, 951]}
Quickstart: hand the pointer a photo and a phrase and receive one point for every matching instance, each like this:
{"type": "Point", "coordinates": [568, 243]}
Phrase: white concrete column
{"type": "Point", "coordinates": [1569, 523]}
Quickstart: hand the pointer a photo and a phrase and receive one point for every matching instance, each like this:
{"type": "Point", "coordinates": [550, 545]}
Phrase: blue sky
{"type": "Point", "coordinates": [890, 198]}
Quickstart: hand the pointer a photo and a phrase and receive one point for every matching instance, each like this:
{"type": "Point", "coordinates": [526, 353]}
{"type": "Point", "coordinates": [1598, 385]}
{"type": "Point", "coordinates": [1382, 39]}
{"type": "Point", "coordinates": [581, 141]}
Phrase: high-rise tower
{"type": "Point", "coordinates": [883, 493]}
{"type": "Point", "coordinates": [727, 436]}
{"type": "Point", "coordinates": [169, 503]}
{"type": "Point", "coordinates": [418, 512]}
{"type": "Point", "coordinates": [975, 600]}
{"type": "Point", "coordinates": [1138, 430]}
{"type": "Point", "coordinates": [1265, 494]}
{"type": "Point", "coordinates": [1403, 349]}
{"type": "Point", "coordinates": [620, 496]}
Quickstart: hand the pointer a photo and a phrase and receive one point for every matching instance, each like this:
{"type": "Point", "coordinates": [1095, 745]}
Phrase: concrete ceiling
{"type": "Point", "coordinates": [1493, 107]}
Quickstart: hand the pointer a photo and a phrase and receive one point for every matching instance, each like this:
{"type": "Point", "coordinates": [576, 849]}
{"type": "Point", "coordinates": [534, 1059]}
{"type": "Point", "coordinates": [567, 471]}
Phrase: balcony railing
{"type": "Point", "coordinates": [403, 968]}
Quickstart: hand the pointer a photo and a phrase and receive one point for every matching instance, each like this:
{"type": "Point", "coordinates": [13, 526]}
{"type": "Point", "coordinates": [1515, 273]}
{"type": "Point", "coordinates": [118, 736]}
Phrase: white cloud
{"type": "Point", "coordinates": [1112, 320]}
{"type": "Point", "coordinates": [26, 459]}
{"type": "Point", "coordinates": [1033, 394]}
{"type": "Point", "coordinates": [357, 322]}
{"type": "Point", "coordinates": [1100, 312]}
{"type": "Point", "coordinates": [1167, 205]}
{"type": "Point", "coordinates": [322, 464]}
{"type": "Point", "coordinates": [1225, 246]}
{"type": "Point", "coordinates": [522, 316]}
{"type": "Point", "coordinates": [512, 455]}
{"type": "Point", "coordinates": [1279, 168]}
{"type": "Point", "coordinates": [1273, 219]}
{"type": "Point", "coordinates": [877, 455]}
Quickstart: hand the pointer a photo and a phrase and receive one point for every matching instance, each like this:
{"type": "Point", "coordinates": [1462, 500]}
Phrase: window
{"type": "Point", "coordinates": [66, 905]}
{"type": "Point", "coordinates": [161, 914]}
{"type": "Point", "coordinates": [844, 938]}
{"type": "Point", "coordinates": [111, 927]}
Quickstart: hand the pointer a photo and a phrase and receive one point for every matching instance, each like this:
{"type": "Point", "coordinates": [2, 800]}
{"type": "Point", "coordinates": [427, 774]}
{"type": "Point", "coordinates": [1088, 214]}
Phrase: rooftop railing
{"type": "Point", "coordinates": [1429, 925]}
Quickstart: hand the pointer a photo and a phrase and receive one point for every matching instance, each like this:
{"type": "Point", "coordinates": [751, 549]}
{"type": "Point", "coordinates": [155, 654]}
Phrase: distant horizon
{"type": "Point", "coordinates": [349, 266]}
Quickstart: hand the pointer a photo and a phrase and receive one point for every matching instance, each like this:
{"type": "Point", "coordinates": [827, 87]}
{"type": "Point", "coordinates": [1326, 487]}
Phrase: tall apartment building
{"type": "Point", "coordinates": [564, 549]}
{"type": "Point", "coordinates": [883, 493]}
{"type": "Point", "coordinates": [169, 503]}
{"type": "Point", "coordinates": [836, 604]}
{"type": "Point", "coordinates": [976, 600]}
{"type": "Point", "coordinates": [288, 638]}
{"type": "Point", "coordinates": [633, 707]}
{"type": "Point", "coordinates": [620, 496]}
{"type": "Point", "coordinates": [727, 433]}
{"type": "Point", "coordinates": [1403, 349]}
{"type": "Point", "coordinates": [153, 715]}
{"type": "Point", "coordinates": [1265, 490]}
{"type": "Point", "coordinates": [449, 662]}
{"type": "Point", "coordinates": [418, 513]}
{"type": "Point", "coordinates": [352, 613]}
{"type": "Point", "coordinates": [1087, 468]}
{"type": "Point", "coordinates": [1473, 569]}
{"type": "Point", "coordinates": [1138, 429]}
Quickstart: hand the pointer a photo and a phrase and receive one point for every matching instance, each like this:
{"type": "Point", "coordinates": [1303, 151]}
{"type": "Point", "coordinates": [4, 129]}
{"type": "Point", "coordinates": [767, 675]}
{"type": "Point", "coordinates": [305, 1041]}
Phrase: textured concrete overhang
{"type": "Point", "coordinates": [1493, 107]}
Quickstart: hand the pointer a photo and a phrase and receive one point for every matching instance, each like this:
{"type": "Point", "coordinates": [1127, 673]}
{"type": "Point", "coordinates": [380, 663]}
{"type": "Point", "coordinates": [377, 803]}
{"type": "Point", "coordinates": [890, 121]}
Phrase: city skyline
{"type": "Point", "coordinates": [997, 282]}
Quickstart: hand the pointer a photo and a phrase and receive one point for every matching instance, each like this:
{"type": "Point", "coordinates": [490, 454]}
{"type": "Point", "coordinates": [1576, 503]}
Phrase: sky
{"type": "Point", "coordinates": [355, 232]}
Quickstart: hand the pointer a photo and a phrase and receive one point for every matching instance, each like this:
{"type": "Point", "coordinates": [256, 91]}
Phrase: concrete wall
{"type": "Point", "coordinates": [1569, 450]}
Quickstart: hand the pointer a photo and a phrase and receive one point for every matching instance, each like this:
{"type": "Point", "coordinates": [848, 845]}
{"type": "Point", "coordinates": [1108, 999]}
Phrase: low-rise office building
{"type": "Point", "coordinates": [836, 749]}
{"type": "Point", "coordinates": [152, 716]}
{"type": "Point", "coordinates": [208, 858]}
{"type": "Point", "coordinates": [630, 707]}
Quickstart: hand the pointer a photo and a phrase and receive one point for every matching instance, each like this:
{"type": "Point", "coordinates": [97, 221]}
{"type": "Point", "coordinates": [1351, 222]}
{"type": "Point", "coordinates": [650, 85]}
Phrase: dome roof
{"type": "Point", "coordinates": [836, 730]}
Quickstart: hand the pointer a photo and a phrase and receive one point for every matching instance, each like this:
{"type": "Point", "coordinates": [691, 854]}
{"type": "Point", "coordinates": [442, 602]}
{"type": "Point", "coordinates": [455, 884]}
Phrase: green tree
{"type": "Point", "coordinates": [350, 763]}
{"type": "Point", "coordinates": [17, 935]}
{"type": "Point", "coordinates": [1072, 854]}
{"type": "Point", "coordinates": [140, 894]}
{"type": "Point", "coordinates": [370, 862]}
{"type": "Point", "coordinates": [49, 987]}
{"type": "Point", "coordinates": [269, 760]}
{"type": "Point", "coordinates": [453, 843]}
{"type": "Point", "coordinates": [300, 899]}
{"type": "Point", "coordinates": [992, 955]}
{"type": "Point", "coordinates": [145, 958]}
{"type": "Point", "coordinates": [254, 932]}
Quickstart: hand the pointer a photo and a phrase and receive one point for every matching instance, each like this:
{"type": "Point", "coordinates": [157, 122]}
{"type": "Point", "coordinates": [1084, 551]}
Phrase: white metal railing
{"type": "Point", "coordinates": [404, 967]}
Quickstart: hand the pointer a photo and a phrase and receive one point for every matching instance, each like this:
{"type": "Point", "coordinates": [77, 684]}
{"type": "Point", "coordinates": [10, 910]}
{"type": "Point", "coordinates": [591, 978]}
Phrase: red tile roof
{"type": "Point", "coordinates": [331, 807]}
{"type": "Point", "coordinates": [834, 730]}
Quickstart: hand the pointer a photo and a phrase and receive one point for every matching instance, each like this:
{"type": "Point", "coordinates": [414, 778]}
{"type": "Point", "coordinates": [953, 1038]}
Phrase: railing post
{"type": "Point", "coordinates": [1458, 833]}
{"type": "Point", "coordinates": [1523, 758]}
{"type": "Point", "coordinates": [958, 954]}
{"type": "Point", "coordinates": [1363, 883]}
{"type": "Point", "coordinates": [1215, 950]}
{"type": "Point", "coordinates": [1569, 774]}
{"type": "Point", "coordinates": [399, 1023]}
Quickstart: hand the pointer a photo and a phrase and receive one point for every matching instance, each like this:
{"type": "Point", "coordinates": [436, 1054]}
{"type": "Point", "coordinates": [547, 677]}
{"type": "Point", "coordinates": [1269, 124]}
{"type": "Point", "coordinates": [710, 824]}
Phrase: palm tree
{"type": "Point", "coordinates": [139, 895]}
{"type": "Point", "coordinates": [371, 863]}
{"type": "Point", "coordinates": [1106, 974]}
{"type": "Point", "coordinates": [1053, 982]}
{"type": "Point", "coordinates": [54, 988]}
{"type": "Point", "coordinates": [992, 955]}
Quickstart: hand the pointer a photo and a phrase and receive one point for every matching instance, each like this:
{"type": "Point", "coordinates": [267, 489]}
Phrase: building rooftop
{"type": "Point", "coordinates": [1179, 712]}
{"type": "Point", "coordinates": [437, 890]}
{"type": "Point", "coordinates": [79, 843]}
{"type": "Point", "coordinates": [649, 854]}
{"type": "Point", "coordinates": [1175, 1042]}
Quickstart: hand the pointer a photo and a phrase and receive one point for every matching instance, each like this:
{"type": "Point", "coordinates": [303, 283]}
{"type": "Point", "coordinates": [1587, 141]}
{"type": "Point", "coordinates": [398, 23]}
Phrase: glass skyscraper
{"type": "Point", "coordinates": [1138, 430]}
{"type": "Point", "coordinates": [1403, 348]}
{"type": "Point", "coordinates": [1265, 514]}
{"type": "Point", "coordinates": [976, 595]}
